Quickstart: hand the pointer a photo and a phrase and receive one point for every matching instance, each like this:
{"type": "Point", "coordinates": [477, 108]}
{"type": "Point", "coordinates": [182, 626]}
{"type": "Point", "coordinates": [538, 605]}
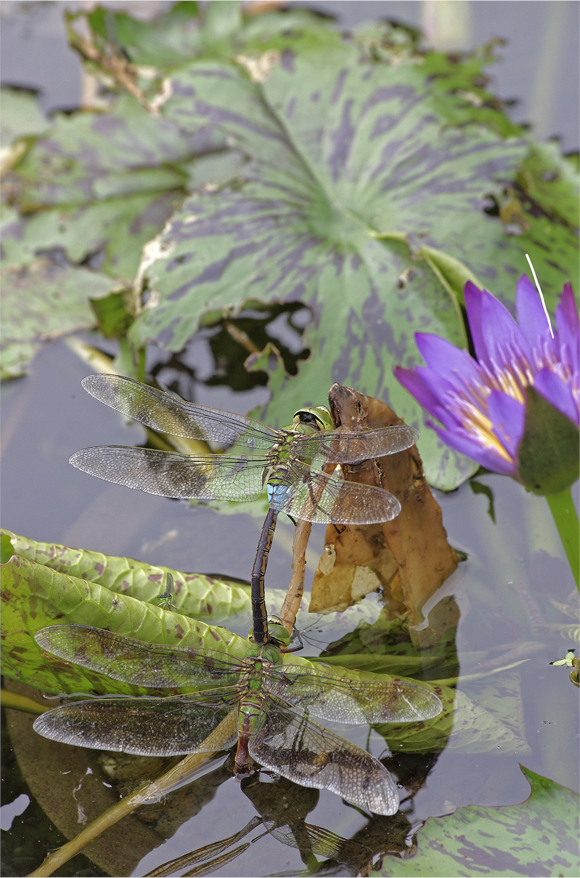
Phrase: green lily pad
{"type": "Point", "coordinates": [218, 30]}
{"type": "Point", "coordinates": [100, 186]}
{"type": "Point", "coordinates": [21, 115]}
{"type": "Point", "coordinates": [15, 358]}
{"type": "Point", "coordinates": [111, 233]}
{"type": "Point", "coordinates": [536, 837]}
{"type": "Point", "coordinates": [551, 180]}
{"type": "Point", "coordinates": [95, 156]}
{"type": "Point", "coordinates": [44, 300]}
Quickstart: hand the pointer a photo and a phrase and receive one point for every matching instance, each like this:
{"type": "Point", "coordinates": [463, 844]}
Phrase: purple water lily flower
{"type": "Point", "coordinates": [481, 404]}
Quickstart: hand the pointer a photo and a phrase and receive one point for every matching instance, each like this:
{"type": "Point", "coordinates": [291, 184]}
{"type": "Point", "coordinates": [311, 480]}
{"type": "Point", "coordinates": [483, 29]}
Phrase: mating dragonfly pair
{"type": "Point", "coordinates": [274, 699]}
{"type": "Point", "coordinates": [281, 462]}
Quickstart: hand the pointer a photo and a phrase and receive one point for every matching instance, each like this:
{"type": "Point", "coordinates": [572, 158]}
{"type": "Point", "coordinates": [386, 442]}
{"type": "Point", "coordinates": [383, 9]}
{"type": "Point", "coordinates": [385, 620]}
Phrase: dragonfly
{"type": "Point", "coordinates": [280, 462]}
{"type": "Point", "coordinates": [275, 702]}
{"type": "Point", "coordinates": [165, 598]}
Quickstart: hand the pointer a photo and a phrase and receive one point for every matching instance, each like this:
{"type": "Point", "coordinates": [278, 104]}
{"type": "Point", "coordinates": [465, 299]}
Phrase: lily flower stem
{"type": "Point", "coordinates": [566, 519]}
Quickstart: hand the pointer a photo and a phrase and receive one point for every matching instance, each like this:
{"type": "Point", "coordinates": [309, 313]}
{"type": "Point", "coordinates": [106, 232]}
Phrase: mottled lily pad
{"type": "Point", "coordinates": [44, 300]}
{"type": "Point", "coordinates": [537, 837]}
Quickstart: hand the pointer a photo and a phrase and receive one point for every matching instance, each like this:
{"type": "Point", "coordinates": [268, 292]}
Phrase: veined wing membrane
{"type": "Point", "coordinates": [333, 698]}
{"type": "Point", "coordinates": [318, 497]}
{"type": "Point", "coordinates": [141, 664]}
{"type": "Point", "coordinates": [170, 474]}
{"type": "Point", "coordinates": [169, 414]}
{"type": "Point", "coordinates": [304, 752]}
{"type": "Point", "coordinates": [142, 726]}
{"type": "Point", "coordinates": [337, 446]}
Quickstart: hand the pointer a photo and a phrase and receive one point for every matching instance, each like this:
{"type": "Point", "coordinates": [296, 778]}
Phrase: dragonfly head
{"type": "Point", "coordinates": [312, 420]}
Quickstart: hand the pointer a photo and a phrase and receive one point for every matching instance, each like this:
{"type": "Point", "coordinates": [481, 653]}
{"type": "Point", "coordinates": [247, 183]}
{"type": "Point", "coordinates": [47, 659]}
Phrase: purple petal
{"type": "Point", "coordinates": [473, 298]}
{"type": "Point", "coordinates": [568, 330]}
{"type": "Point", "coordinates": [445, 392]}
{"type": "Point", "coordinates": [443, 358]}
{"type": "Point", "coordinates": [532, 318]}
{"type": "Point", "coordinates": [496, 336]}
{"type": "Point", "coordinates": [551, 386]}
{"type": "Point", "coordinates": [431, 391]}
{"type": "Point", "coordinates": [507, 416]}
{"type": "Point", "coordinates": [412, 380]}
{"type": "Point", "coordinates": [467, 444]}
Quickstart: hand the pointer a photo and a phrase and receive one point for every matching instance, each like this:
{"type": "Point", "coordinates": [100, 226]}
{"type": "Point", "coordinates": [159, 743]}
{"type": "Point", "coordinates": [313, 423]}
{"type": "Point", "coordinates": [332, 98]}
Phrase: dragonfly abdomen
{"type": "Point", "coordinates": [278, 492]}
{"type": "Point", "coordinates": [248, 713]}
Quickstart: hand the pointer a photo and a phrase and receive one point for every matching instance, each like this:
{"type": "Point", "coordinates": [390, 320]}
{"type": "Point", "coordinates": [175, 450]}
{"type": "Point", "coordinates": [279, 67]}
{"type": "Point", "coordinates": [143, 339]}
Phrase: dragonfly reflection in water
{"type": "Point", "coordinates": [280, 463]}
{"type": "Point", "coordinates": [274, 703]}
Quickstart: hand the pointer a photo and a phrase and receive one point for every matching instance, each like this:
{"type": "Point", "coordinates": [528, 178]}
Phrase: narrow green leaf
{"type": "Point", "coordinates": [112, 314]}
{"type": "Point", "coordinates": [194, 595]}
{"type": "Point", "coordinates": [451, 273]}
{"type": "Point", "coordinates": [35, 596]}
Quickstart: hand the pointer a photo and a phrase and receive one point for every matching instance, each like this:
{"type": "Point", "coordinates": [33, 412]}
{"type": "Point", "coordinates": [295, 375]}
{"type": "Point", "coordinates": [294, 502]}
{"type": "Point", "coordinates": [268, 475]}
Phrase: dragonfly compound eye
{"type": "Point", "coordinates": [318, 418]}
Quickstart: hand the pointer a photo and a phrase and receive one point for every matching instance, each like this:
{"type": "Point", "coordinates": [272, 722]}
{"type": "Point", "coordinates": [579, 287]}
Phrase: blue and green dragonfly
{"type": "Point", "coordinates": [281, 462]}
{"type": "Point", "coordinates": [275, 702]}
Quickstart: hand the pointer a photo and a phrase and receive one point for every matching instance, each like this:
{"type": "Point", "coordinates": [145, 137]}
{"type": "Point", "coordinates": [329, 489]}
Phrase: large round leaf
{"type": "Point", "coordinates": [362, 203]}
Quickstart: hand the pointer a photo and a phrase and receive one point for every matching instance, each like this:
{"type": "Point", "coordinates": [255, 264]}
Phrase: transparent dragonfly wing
{"type": "Point", "coordinates": [169, 414]}
{"type": "Point", "coordinates": [142, 664]}
{"type": "Point", "coordinates": [287, 742]}
{"type": "Point", "coordinates": [142, 726]}
{"type": "Point", "coordinates": [170, 474]}
{"type": "Point", "coordinates": [333, 698]}
{"type": "Point", "coordinates": [315, 496]}
{"type": "Point", "coordinates": [336, 446]}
